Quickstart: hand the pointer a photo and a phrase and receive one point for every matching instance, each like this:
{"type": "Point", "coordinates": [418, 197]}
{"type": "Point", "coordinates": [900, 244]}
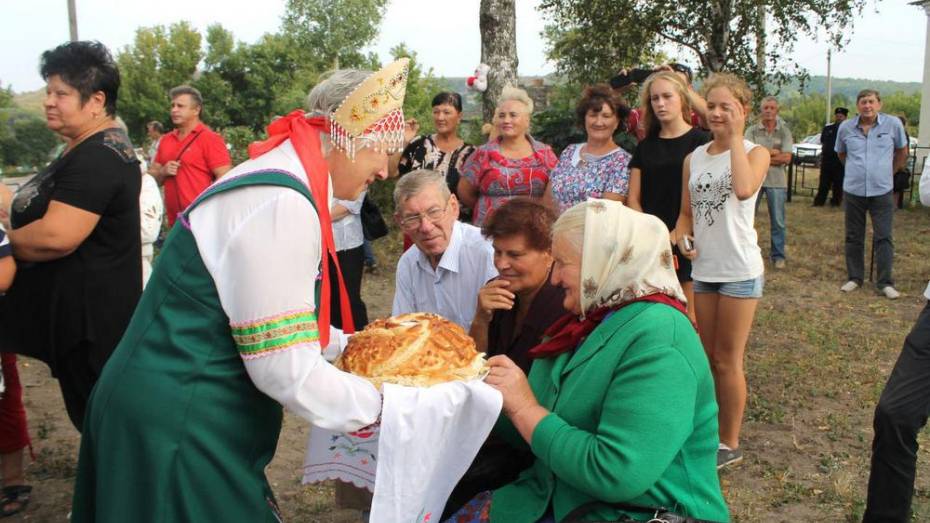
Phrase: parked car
{"type": "Point", "coordinates": [808, 152]}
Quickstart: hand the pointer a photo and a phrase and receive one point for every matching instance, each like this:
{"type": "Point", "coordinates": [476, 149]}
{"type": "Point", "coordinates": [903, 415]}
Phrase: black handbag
{"type": "Point", "coordinates": [373, 224]}
{"type": "Point", "coordinates": [659, 514]}
{"type": "Point", "coordinates": [902, 180]}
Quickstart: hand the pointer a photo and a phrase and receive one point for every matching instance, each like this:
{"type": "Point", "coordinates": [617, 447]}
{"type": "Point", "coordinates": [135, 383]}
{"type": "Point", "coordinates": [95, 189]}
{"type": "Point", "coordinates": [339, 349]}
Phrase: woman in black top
{"type": "Point", "coordinates": [656, 167]}
{"type": "Point", "coordinates": [513, 312]}
{"type": "Point", "coordinates": [75, 230]}
{"type": "Point", "coordinates": [444, 151]}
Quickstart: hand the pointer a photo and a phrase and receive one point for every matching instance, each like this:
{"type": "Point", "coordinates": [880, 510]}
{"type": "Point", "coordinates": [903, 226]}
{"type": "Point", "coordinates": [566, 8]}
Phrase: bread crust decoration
{"type": "Point", "coordinates": [417, 350]}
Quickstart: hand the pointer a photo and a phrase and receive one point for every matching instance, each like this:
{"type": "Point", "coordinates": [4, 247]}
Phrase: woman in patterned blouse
{"type": "Point", "coordinates": [443, 151]}
{"type": "Point", "coordinates": [598, 168]}
{"type": "Point", "coordinates": [513, 164]}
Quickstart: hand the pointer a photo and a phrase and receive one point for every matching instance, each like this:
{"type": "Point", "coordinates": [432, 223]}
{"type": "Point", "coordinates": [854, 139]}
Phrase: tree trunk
{"type": "Point", "coordinates": [759, 81]}
{"type": "Point", "coordinates": [719, 39]}
{"type": "Point", "coordinates": [498, 24]}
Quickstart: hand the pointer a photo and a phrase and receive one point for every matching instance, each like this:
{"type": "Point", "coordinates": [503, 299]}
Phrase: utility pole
{"type": "Point", "coordinates": [72, 20]}
{"type": "Point", "coordinates": [829, 86]}
{"type": "Point", "coordinates": [923, 132]}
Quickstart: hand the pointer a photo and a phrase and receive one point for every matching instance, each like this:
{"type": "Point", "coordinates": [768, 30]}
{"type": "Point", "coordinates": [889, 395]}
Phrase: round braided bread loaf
{"type": "Point", "coordinates": [416, 349]}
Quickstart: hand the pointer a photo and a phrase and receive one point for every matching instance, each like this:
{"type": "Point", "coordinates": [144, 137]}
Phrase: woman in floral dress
{"type": "Point", "coordinates": [597, 168]}
{"type": "Point", "coordinates": [513, 164]}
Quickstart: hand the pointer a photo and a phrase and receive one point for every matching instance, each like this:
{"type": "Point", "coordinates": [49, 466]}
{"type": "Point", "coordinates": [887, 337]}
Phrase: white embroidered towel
{"type": "Point", "coordinates": [347, 456]}
{"type": "Point", "coordinates": [429, 437]}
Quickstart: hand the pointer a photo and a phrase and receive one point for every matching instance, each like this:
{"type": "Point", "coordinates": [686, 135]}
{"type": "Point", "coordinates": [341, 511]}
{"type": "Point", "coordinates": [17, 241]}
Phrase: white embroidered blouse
{"type": "Point", "coordinates": [262, 246]}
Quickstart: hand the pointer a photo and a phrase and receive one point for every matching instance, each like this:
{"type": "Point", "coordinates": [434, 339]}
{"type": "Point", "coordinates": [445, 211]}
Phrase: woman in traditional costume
{"type": "Point", "coordinates": [234, 321]}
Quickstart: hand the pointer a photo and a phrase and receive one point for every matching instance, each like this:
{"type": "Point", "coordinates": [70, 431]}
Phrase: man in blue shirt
{"type": "Point", "coordinates": [871, 146]}
{"type": "Point", "coordinates": [451, 260]}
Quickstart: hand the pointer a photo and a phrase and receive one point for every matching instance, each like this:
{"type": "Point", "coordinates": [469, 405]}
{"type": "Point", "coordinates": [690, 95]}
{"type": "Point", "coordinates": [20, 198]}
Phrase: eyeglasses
{"type": "Point", "coordinates": [435, 214]}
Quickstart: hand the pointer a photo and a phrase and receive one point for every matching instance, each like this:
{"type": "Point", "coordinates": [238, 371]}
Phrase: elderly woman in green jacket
{"type": "Point", "coordinates": [619, 406]}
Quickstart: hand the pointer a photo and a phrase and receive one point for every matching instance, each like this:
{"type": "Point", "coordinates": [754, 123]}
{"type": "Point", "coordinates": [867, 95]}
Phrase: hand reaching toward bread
{"type": "Point", "coordinates": [520, 404]}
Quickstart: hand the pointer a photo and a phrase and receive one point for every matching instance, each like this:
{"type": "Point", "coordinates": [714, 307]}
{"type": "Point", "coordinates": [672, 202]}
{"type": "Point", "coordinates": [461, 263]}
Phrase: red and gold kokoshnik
{"type": "Point", "coordinates": [374, 110]}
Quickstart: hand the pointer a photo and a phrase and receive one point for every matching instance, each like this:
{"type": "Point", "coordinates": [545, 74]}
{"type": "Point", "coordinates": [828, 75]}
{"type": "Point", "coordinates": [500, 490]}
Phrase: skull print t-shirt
{"type": "Point", "coordinates": [724, 233]}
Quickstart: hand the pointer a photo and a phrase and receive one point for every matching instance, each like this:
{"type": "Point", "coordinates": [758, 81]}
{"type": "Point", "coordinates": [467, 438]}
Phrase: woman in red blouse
{"type": "Point", "coordinates": [512, 165]}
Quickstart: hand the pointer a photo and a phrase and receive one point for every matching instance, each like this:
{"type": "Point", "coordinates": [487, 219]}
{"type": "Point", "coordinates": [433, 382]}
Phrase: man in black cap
{"type": "Point", "coordinates": [831, 170]}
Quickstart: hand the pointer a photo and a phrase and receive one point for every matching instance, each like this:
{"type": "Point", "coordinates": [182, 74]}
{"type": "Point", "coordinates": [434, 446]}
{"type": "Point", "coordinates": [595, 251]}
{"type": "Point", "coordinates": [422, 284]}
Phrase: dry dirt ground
{"type": "Point", "coordinates": [816, 362]}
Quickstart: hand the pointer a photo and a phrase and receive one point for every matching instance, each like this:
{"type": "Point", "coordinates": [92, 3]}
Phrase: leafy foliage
{"type": "Point", "coordinates": [588, 48]}
{"type": "Point", "coordinates": [24, 138]}
{"type": "Point", "coordinates": [722, 34]}
{"type": "Point", "coordinates": [158, 60]}
{"type": "Point", "coordinates": [250, 84]}
{"type": "Point", "coordinates": [806, 115]}
{"type": "Point", "coordinates": [6, 96]}
{"type": "Point", "coordinates": [239, 139]}
{"type": "Point", "coordinates": [334, 31]}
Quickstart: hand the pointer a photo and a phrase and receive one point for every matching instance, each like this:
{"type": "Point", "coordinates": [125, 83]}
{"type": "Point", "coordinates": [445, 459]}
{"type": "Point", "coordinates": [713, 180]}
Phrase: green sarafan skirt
{"type": "Point", "coordinates": [175, 429]}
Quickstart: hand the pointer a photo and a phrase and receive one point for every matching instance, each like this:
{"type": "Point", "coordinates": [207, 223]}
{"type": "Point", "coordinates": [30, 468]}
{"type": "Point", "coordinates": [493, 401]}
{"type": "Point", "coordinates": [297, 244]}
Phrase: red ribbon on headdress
{"type": "Point", "coordinates": [304, 134]}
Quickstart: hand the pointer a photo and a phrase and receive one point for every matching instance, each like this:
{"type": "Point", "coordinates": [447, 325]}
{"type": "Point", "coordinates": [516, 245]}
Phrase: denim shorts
{"type": "Point", "coordinates": [751, 288]}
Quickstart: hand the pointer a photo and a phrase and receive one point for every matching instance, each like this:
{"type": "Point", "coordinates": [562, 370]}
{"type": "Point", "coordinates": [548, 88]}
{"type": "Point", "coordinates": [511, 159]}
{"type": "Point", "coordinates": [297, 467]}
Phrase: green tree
{"type": "Point", "coordinates": [6, 96]}
{"type": "Point", "coordinates": [24, 138]}
{"type": "Point", "coordinates": [721, 33]}
{"type": "Point", "coordinates": [250, 84]}
{"type": "Point", "coordinates": [239, 139]}
{"type": "Point", "coordinates": [590, 49]}
{"type": "Point", "coordinates": [331, 33]}
{"type": "Point", "coordinates": [903, 104]}
{"type": "Point", "coordinates": [806, 114]}
{"type": "Point", "coordinates": [158, 60]}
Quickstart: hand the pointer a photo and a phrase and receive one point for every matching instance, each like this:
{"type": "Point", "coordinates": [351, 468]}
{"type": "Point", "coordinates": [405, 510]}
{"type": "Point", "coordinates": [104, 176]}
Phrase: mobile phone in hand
{"type": "Point", "coordinates": [688, 243]}
{"type": "Point", "coordinates": [632, 76]}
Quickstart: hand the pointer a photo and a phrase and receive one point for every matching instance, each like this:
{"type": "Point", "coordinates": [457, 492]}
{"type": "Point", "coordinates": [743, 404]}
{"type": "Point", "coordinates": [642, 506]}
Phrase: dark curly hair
{"type": "Point", "coordinates": [593, 99]}
{"type": "Point", "coordinates": [522, 217]}
{"type": "Point", "coordinates": [86, 66]}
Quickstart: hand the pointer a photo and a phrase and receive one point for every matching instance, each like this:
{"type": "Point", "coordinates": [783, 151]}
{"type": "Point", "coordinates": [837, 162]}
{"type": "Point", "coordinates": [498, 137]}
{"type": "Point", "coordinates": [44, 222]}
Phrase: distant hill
{"type": "Point", "coordinates": [850, 86]}
{"type": "Point", "coordinates": [31, 101]}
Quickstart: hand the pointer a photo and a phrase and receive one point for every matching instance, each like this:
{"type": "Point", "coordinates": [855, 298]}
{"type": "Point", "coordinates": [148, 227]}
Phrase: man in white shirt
{"type": "Point", "coordinates": [900, 415]}
{"type": "Point", "coordinates": [451, 261]}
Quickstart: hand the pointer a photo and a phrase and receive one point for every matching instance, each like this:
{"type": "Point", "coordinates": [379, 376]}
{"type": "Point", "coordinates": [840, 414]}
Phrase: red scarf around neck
{"type": "Point", "coordinates": [569, 331]}
{"type": "Point", "coordinates": [304, 134]}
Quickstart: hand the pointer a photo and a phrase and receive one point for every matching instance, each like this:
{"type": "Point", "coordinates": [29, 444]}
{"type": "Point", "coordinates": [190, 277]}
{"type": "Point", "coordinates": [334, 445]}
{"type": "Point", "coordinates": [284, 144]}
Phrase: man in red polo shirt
{"type": "Point", "coordinates": [189, 158]}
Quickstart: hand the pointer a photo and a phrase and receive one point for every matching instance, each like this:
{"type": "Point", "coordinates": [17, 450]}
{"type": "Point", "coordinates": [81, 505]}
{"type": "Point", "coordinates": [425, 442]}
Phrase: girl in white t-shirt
{"type": "Point", "coordinates": [721, 182]}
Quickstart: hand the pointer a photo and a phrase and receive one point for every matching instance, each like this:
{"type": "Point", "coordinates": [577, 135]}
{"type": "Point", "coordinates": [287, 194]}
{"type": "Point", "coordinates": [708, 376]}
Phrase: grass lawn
{"type": "Point", "coordinates": [816, 363]}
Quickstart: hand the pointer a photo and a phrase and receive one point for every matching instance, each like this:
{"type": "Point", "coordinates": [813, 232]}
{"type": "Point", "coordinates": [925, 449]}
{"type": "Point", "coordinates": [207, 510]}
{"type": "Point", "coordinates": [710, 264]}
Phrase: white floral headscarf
{"type": "Point", "coordinates": [626, 255]}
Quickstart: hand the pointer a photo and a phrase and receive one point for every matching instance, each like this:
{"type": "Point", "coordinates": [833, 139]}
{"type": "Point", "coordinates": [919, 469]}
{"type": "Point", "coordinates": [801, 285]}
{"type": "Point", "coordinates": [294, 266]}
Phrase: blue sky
{"type": "Point", "coordinates": [887, 42]}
